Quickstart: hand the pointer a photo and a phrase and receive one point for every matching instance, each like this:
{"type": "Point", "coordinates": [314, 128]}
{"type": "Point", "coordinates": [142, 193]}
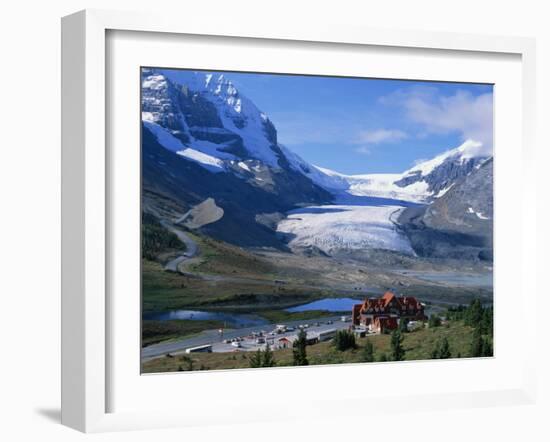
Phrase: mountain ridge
{"type": "Point", "coordinates": [195, 125]}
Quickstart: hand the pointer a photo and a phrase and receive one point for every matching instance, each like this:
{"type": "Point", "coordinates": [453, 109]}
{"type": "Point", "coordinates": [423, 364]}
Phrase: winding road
{"type": "Point", "coordinates": [192, 248]}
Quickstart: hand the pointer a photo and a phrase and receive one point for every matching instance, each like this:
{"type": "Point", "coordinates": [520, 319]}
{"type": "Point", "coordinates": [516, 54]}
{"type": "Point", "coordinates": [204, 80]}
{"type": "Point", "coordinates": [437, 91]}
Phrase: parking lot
{"type": "Point", "coordinates": [247, 339]}
{"type": "Point", "coordinates": [258, 339]}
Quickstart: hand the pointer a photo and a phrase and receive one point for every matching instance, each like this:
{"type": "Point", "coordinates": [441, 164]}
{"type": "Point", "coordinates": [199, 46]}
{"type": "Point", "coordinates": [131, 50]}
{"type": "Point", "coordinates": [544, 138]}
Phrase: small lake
{"type": "Point", "coordinates": [233, 320]}
{"type": "Point", "coordinates": [328, 304]}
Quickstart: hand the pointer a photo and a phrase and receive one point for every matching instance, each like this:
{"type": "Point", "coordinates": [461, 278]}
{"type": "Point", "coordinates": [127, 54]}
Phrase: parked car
{"type": "Point", "coordinates": [236, 344]}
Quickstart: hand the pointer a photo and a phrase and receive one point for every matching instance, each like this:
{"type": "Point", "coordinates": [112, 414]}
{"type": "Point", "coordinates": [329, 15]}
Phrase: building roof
{"type": "Point", "coordinates": [387, 297]}
{"type": "Point", "coordinates": [380, 305]}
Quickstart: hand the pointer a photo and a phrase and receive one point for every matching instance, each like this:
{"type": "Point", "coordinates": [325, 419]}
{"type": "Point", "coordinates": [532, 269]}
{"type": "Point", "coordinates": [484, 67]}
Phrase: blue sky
{"type": "Point", "coordinates": [357, 126]}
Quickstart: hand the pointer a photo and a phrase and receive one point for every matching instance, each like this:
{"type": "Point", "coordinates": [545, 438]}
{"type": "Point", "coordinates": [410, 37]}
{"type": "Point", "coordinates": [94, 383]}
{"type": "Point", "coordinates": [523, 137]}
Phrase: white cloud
{"type": "Point", "coordinates": [463, 112]}
{"type": "Point", "coordinates": [365, 150]}
{"type": "Point", "coordinates": [381, 136]}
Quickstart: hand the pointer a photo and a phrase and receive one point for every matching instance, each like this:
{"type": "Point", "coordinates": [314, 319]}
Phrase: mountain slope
{"type": "Point", "coordinates": [207, 115]}
{"type": "Point", "coordinates": [173, 185]}
{"type": "Point", "coordinates": [459, 224]}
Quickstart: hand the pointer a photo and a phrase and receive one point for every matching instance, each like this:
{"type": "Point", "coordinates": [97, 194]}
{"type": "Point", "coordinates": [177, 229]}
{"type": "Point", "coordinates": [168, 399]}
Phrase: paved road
{"type": "Point", "coordinates": [192, 248]}
{"type": "Point", "coordinates": [215, 338]}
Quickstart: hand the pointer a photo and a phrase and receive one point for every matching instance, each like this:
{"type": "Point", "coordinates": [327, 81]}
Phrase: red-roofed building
{"type": "Point", "coordinates": [379, 314]}
{"type": "Point", "coordinates": [284, 342]}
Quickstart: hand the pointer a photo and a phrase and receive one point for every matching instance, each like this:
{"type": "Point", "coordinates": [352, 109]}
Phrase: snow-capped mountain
{"type": "Point", "coordinates": [202, 139]}
{"type": "Point", "coordinates": [198, 126]}
{"type": "Point", "coordinates": [206, 120]}
{"type": "Point", "coordinates": [422, 183]}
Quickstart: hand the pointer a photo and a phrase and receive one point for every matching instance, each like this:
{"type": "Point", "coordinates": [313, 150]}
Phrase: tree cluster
{"type": "Point", "coordinates": [155, 238]}
{"type": "Point", "coordinates": [262, 358]}
{"type": "Point", "coordinates": [481, 319]}
{"type": "Point", "coordinates": [344, 340]}
{"type": "Point", "coordinates": [481, 346]}
{"type": "Point", "coordinates": [442, 349]}
{"type": "Point", "coordinates": [474, 315]}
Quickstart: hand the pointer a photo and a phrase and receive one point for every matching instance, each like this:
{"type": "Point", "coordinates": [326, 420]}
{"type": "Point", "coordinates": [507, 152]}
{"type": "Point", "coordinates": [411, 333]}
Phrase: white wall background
{"type": "Point", "coordinates": [30, 220]}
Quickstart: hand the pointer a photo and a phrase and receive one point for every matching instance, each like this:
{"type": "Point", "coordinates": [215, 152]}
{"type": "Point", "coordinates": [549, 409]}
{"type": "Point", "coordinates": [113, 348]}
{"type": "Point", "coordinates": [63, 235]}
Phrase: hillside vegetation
{"type": "Point", "coordinates": [155, 239]}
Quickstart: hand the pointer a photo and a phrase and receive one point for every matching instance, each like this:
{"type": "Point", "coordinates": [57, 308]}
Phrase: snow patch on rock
{"type": "Point", "coordinates": [209, 162]}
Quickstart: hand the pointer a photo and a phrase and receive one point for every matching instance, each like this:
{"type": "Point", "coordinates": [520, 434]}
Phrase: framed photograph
{"type": "Point", "coordinates": [247, 215]}
{"type": "Point", "coordinates": [254, 256]}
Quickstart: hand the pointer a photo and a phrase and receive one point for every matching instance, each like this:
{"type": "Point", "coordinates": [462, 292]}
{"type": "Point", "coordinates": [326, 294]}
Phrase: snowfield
{"type": "Point", "coordinates": [345, 227]}
{"type": "Point", "coordinates": [383, 186]}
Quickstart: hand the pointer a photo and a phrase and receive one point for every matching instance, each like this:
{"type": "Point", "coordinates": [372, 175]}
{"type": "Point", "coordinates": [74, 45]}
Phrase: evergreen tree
{"type": "Point", "coordinates": [403, 325]}
{"type": "Point", "coordinates": [476, 346]}
{"type": "Point", "coordinates": [256, 360]}
{"type": "Point", "coordinates": [456, 312]}
{"type": "Point", "coordinates": [474, 314]}
{"type": "Point", "coordinates": [344, 340]}
{"type": "Point", "coordinates": [397, 350]}
{"type": "Point", "coordinates": [436, 350]}
{"type": "Point", "coordinates": [262, 358]}
{"type": "Point", "coordinates": [487, 348]}
{"type": "Point", "coordinates": [368, 352]}
{"type": "Point", "coordinates": [487, 321]}
{"type": "Point", "coordinates": [444, 349]}
{"type": "Point", "coordinates": [383, 357]}
{"type": "Point", "coordinates": [441, 350]}
{"type": "Point", "coordinates": [434, 321]}
{"type": "Point", "coordinates": [299, 356]}
{"type": "Point", "coordinates": [155, 238]}
{"type": "Point", "coordinates": [268, 359]}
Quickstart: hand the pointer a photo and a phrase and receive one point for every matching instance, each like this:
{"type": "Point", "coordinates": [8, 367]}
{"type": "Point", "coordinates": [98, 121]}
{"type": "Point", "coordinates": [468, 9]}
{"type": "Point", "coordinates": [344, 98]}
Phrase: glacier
{"type": "Point", "coordinates": [331, 228]}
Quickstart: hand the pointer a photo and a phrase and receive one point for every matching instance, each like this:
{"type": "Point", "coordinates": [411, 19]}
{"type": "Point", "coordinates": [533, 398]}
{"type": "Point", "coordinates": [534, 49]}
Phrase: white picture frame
{"type": "Point", "coordinates": [85, 205]}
